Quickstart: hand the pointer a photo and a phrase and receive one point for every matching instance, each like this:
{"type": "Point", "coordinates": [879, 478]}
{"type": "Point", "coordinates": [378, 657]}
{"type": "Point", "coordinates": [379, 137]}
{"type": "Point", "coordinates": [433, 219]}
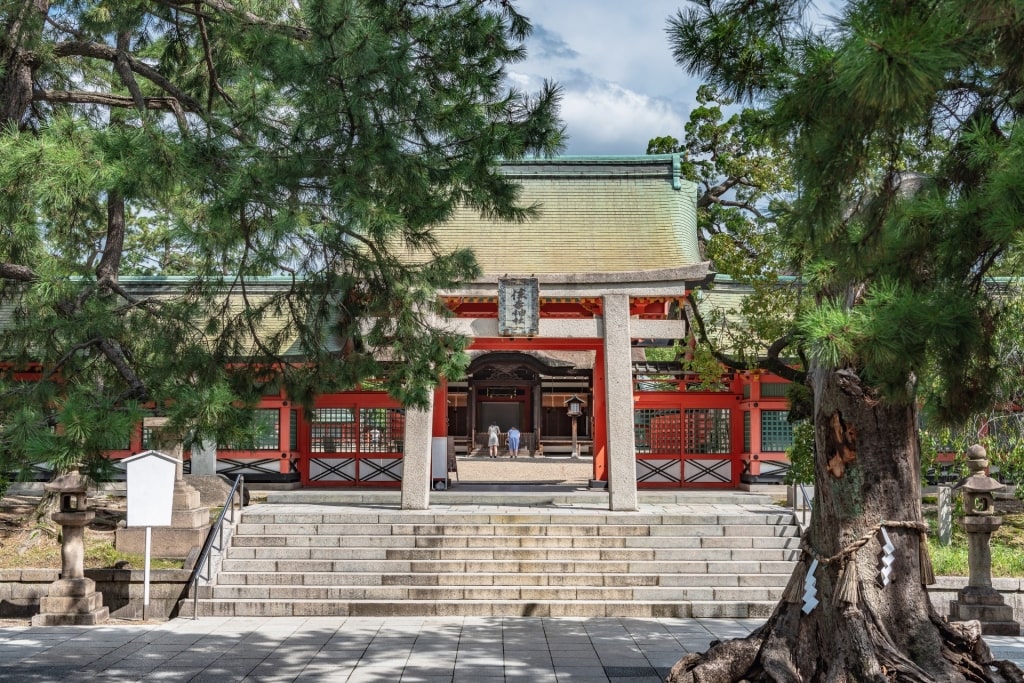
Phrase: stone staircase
{"type": "Point", "coordinates": [697, 561]}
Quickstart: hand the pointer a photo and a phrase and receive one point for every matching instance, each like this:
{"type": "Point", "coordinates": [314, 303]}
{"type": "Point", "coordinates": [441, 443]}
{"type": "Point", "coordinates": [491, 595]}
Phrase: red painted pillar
{"type": "Point", "coordinates": [440, 418]}
{"type": "Point", "coordinates": [598, 413]}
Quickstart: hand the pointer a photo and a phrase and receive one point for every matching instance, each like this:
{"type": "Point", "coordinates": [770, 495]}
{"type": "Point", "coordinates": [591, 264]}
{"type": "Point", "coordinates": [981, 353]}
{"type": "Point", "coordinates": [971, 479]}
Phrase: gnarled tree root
{"type": "Point", "coordinates": [723, 663]}
{"type": "Point", "coordinates": [758, 658]}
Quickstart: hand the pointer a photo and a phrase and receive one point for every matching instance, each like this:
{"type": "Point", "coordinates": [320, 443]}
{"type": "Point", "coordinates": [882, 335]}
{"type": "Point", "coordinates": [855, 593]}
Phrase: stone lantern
{"type": "Point", "coordinates": [71, 600]}
{"type": "Point", "coordinates": [979, 600]}
{"type": "Point", "coordinates": [574, 408]}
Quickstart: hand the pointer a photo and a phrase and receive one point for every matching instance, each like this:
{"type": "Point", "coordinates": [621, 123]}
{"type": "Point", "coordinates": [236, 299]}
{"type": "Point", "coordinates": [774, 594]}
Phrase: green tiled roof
{"type": "Point", "coordinates": [726, 297]}
{"type": "Point", "coordinates": [597, 215]}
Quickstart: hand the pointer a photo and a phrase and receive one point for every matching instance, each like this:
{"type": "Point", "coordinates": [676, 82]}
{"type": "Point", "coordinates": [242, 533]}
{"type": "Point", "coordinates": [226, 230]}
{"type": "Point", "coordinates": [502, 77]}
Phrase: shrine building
{"type": "Point", "coordinates": [559, 323]}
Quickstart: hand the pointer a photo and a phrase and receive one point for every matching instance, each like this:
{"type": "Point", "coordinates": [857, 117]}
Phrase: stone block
{"type": "Point", "coordinates": [78, 619]}
{"type": "Point", "coordinates": [167, 542]}
{"type": "Point", "coordinates": [720, 610]}
{"type": "Point", "coordinates": [29, 591]}
{"type": "Point", "coordinates": [320, 609]}
{"type": "Point", "coordinates": [190, 518]}
{"type": "Point", "coordinates": [675, 610]}
{"type": "Point", "coordinates": [213, 489]}
{"type": "Point", "coordinates": [70, 605]}
{"type": "Point", "coordinates": [186, 497]}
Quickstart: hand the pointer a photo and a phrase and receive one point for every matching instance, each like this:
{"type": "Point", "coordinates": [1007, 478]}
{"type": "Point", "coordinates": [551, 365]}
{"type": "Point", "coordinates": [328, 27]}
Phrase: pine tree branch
{"type": "Point", "coordinates": [210, 68]}
{"type": "Point", "coordinates": [105, 99]}
{"type": "Point", "coordinates": [739, 205]}
{"type": "Point", "coordinates": [113, 248]}
{"type": "Point", "coordinates": [774, 363]}
{"type": "Point", "coordinates": [296, 32]}
{"type": "Point", "coordinates": [16, 62]}
{"type": "Point", "coordinates": [256, 336]}
{"type": "Point", "coordinates": [713, 229]}
{"type": "Point", "coordinates": [124, 71]}
{"type": "Point", "coordinates": [771, 362]}
{"type": "Point", "coordinates": [81, 346]}
{"type": "Point", "coordinates": [115, 354]}
{"type": "Point", "coordinates": [18, 273]}
{"type": "Point", "coordinates": [105, 52]}
{"type": "Point", "coordinates": [64, 28]}
{"type": "Point", "coordinates": [711, 193]}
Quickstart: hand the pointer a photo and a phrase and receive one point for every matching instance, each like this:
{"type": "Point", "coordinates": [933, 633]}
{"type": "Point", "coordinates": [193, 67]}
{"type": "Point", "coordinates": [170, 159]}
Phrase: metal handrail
{"type": "Point", "coordinates": [808, 505]}
{"type": "Point", "coordinates": [216, 530]}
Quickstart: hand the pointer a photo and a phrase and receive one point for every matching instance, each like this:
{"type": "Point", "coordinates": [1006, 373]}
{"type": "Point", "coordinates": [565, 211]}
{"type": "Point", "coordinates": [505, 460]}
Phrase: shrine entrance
{"type": "Point", "coordinates": [525, 389]}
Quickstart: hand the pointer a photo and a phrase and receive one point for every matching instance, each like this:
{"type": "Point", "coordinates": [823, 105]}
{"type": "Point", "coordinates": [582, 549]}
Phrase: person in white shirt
{"type": "Point", "coordinates": [493, 437]}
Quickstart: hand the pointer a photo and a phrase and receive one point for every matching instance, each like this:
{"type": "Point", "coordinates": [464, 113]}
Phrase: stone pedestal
{"type": "Point", "coordinates": [71, 600]}
{"type": "Point", "coordinates": [979, 600]}
{"type": "Point", "coordinates": [190, 523]}
{"type": "Point", "coordinates": [986, 606]}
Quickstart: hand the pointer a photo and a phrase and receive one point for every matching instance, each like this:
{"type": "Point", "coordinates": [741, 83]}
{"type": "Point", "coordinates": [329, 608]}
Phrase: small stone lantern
{"type": "Point", "coordinates": [71, 600]}
{"type": "Point", "coordinates": [574, 408]}
{"type": "Point", "coordinates": [979, 488]}
{"type": "Point", "coordinates": [979, 600]}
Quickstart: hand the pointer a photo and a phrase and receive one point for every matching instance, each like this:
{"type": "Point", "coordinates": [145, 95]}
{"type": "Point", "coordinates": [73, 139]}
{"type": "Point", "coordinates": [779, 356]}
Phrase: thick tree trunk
{"type": "Point", "coordinates": [22, 25]}
{"type": "Point", "coordinates": [867, 477]}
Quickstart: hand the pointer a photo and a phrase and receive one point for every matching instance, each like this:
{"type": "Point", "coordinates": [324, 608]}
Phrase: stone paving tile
{"type": "Point", "coordinates": [171, 674]}
{"type": "Point", "coordinates": [367, 650]}
{"type": "Point", "coordinates": [374, 676]}
{"type": "Point", "coordinates": [580, 674]}
{"type": "Point", "coordinates": [512, 676]}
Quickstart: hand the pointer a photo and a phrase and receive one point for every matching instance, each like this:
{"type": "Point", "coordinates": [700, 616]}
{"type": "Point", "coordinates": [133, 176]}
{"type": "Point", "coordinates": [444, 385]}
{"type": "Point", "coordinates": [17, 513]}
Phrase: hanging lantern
{"type": "Point", "coordinates": [574, 406]}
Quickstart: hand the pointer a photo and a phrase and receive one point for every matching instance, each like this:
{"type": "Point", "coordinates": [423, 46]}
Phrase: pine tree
{"type": "Point", "coordinates": [901, 118]}
{"type": "Point", "coordinates": [315, 141]}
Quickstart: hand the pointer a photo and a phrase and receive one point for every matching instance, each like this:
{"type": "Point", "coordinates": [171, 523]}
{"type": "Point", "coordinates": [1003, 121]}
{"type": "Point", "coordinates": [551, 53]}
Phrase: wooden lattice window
{"type": "Point", "coordinates": [707, 430]}
{"type": "Point", "coordinates": [776, 430]}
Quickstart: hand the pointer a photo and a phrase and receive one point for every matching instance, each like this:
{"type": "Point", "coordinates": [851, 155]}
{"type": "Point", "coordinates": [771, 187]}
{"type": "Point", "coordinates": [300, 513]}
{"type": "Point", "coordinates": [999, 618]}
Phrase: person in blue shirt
{"type": "Point", "coordinates": [513, 441]}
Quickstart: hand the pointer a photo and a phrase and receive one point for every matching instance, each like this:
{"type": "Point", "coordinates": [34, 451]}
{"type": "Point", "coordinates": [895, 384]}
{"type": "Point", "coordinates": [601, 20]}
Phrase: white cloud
{"type": "Point", "coordinates": [612, 59]}
{"type": "Point", "coordinates": [607, 118]}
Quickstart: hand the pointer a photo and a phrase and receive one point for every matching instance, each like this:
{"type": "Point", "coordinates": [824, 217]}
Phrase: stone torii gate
{"type": "Point", "coordinates": [611, 333]}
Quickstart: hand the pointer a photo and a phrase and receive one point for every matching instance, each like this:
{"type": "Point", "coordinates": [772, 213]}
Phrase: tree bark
{"type": "Point", "coordinates": [17, 61]}
{"type": "Point", "coordinates": [867, 476]}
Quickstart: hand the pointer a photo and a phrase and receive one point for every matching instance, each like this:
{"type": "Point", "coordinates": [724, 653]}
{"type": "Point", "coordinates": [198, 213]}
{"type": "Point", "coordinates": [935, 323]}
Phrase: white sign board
{"type": "Point", "coordinates": [518, 307]}
{"type": "Point", "coordinates": [439, 457]}
{"type": "Point", "coordinates": [150, 488]}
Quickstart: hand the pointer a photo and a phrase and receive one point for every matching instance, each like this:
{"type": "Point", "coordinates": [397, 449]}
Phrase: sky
{"type": "Point", "coordinates": [613, 61]}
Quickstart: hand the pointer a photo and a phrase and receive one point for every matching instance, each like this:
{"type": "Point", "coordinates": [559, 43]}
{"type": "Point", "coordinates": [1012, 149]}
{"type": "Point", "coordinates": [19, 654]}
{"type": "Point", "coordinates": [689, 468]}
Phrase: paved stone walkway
{"type": "Point", "coordinates": [373, 650]}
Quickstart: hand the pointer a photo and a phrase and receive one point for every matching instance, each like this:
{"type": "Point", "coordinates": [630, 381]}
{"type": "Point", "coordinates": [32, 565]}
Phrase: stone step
{"type": "Point", "coordinates": [266, 521]}
{"type": "Point", "coordinates": [499, 593]}
{"type": "Point", "coordinates": [722, 560]}
{"type": "Point", "coordinates": [533, 608]}
{"type": "Point", "coordinates": [515, 566]}
{"type": "Point", "coordinates": [593, 554]}
{"type": "Point", "coordinates": [370, 535]}
{"type": "Point", "coordinates": [376, 578]}
{"type": "Point", "coordinates": [512, 553]}
{"type": "Point", "coordinates": [455, 496]}
{"type": "Point", "coordinates": [300, 546]}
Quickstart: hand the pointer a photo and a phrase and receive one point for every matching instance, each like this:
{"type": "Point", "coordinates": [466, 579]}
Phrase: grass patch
{"type": "Point", "coordinates": [951, 560]}
{"type": "Point", "coordinates": [22, 552]}
{"type": "Point", "coordinates": [24, 546]}
{"type": "Point", "coordinates": [104, 554]}
{"type": "Point", "coordinates": [1007, 547]}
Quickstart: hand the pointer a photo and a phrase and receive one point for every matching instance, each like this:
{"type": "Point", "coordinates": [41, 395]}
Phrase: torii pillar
{"type": "Point", "coordinates": [622, 492]}
{"type": "Point", "coordinates": [416, 457]}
